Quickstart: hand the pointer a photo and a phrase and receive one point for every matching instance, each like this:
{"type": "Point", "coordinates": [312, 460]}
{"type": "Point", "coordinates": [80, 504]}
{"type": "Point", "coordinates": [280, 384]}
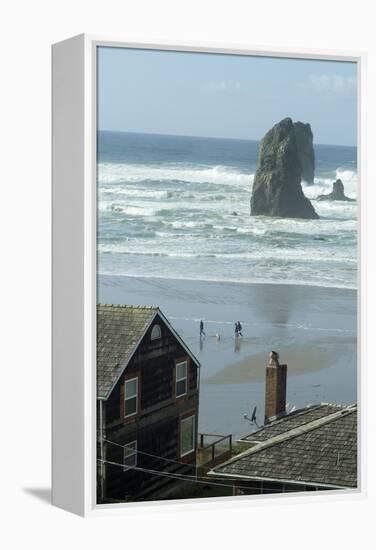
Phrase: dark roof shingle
{"type": "Point", "coordinates": [290, 422]}
{"type": "Point", "coordinates": [322, 451]}
{"type": "Point", "coordinates": [119, 329]}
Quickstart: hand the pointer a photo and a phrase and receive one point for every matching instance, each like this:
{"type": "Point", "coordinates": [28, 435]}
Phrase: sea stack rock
{"type": "Point", "coordinates": [304, 141]}
{"type": "Point", "coordinates": [338, 193]}
{"type": "Point", "coordinates": [277, 189]}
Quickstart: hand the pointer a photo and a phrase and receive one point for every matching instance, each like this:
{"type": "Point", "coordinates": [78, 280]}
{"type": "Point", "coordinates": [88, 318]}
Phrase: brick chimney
{"type": "Point", "coordinates": [275, 388]}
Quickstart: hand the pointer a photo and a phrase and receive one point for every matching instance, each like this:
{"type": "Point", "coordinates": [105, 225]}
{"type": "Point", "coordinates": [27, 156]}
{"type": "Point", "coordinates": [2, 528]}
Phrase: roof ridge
{"type": "Point", "coordinates": [129, 306]}
{"type": "Point", "coordinates": [290, 434]}
{"type": "Point", "coordinates": [295, 414]}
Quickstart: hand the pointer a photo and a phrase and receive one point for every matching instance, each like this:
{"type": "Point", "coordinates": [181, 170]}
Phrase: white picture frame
{"type": "Point", "coordinates": [74, 268]}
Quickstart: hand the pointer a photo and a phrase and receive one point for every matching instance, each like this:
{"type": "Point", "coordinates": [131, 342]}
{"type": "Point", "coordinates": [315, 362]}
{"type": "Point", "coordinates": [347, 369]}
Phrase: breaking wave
{"type": "Point", "coordinates": [132, 173]}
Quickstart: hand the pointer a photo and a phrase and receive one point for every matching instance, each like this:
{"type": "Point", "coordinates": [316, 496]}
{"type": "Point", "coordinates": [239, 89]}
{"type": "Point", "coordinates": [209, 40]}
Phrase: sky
{"type": "Point", "coordinates": [218, 95]}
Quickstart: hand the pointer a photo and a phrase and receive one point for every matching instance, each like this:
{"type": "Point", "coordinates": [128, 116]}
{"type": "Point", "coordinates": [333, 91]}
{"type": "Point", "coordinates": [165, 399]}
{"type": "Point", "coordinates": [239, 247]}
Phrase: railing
{"type": "Point", "coordinates": [213, 448]}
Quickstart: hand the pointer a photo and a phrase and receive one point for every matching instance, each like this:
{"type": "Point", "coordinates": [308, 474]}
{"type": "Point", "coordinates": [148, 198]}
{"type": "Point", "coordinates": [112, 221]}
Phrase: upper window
{"type": "Point", "coordinates": [187, 435]}
{"type": "Point", "coordinates": [130, 396]}
{"type": "Point", "coordinates": [181, 378]}
{"type": "Point", "coordinates": [156, 333]}
{"type": "Point", "coordinates": [130, 455]}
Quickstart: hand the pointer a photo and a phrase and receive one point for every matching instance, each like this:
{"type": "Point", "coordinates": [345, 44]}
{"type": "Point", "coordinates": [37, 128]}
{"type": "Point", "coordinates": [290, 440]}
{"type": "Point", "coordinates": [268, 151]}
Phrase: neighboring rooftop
{"type": "Point", "coordinates": [291, 421]}
{"type": "Point", "coordinates": [314, 446]}
{"type": "Point", "coordinates": [119, 330]}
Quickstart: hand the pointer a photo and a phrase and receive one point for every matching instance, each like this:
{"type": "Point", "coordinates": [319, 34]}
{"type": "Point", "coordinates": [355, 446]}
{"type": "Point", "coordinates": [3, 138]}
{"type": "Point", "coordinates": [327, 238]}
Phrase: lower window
{"type": "Point", "coordinates": [130, 455]}
{"type": "Point", "coordinates": [187, 435]}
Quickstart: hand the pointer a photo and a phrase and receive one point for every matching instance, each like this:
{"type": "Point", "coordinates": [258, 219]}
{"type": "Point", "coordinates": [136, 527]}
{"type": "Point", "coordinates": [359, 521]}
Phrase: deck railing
{"type": "Point", "coordinates": [213, 448]}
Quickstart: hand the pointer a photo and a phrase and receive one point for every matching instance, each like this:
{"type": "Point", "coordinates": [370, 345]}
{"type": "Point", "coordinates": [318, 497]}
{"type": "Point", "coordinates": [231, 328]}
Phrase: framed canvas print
{"type": "Point", "coordinates": [206, 274]}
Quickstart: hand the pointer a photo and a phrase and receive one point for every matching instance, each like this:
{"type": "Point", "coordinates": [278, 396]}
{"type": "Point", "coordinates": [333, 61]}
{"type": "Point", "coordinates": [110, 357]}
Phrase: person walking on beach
{"type": "Point", "coordinates": [238, 329]}
{"type": "Point", "coordinates": [202, 332]}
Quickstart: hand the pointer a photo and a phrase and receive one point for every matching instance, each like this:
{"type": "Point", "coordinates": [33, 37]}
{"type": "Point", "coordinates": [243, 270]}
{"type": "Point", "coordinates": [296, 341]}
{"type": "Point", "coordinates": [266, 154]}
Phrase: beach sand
{"type": "Point", "coordinates": [312, 328]}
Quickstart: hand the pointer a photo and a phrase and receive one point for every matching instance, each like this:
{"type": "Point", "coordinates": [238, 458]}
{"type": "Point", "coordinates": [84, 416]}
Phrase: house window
{"type": "Point", "coordinates": [156, 333]}
{"type": "Point", "coordinates": [181, 378]}
{"type": "Point", "coordinates": [187, 435]}
{"type": "Point", "coordinates": [130, 455]}
{"type": "Point", "coordinates": [130, 397]}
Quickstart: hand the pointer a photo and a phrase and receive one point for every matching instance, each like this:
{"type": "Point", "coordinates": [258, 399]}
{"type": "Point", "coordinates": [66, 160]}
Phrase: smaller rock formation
{"type": "Point", "coordinates": [304, 142]}
{"type": "Point", "coordinates": [277, 190]}
{"type": "Point", "coordinates": [338, 193]}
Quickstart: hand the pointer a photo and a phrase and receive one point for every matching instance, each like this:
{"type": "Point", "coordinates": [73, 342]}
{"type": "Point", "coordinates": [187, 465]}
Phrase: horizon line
{"type": "Point", "coordinates": [208, 137]}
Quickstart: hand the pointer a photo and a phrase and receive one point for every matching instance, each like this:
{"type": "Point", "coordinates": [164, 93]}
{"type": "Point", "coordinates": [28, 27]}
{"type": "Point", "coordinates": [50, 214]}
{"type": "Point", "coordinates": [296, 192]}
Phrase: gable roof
{"type": "Point", "coordinates": [120, 329]}
{"type": "Point", "coordinates": [320, 451]}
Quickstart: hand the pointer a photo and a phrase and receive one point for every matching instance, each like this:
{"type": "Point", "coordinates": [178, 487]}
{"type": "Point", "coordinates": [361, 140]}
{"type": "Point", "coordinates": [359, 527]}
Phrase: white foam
{"type": "Point", "coordinates": [131, 210]}
{"type": "Point", "coordinates": [180, 213]}
{"type": "Point", "coordinates": [323, 186]}
{"type": "Point", "coordinates": [115, 173]}
{"type": "Point", "coordinates": [124, 191]}
{"type": "Point", "coordinates": [302, 254]}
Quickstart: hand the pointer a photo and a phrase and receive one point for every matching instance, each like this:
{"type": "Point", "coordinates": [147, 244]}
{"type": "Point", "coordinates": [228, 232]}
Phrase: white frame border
{"type": "Point", "coordinates": [84, 502]}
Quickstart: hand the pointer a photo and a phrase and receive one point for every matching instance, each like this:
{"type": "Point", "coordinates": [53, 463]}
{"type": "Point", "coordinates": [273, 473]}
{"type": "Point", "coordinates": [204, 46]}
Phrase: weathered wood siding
{"type": "Point", "coordinates": [156, 427]}
{"type": "Point", "coordinates": [155, 362]}
{"type": "Point", "coordinates": [159, 440]}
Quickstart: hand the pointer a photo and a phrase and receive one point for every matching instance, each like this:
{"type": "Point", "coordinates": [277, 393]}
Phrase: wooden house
{"type": "Point", "coordinates": [311, 449]}
{"type": "Point", "coordinates": [147, 405]}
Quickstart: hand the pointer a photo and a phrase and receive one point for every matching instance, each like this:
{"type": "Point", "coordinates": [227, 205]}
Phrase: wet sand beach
{"type": "Point", "coordinates": [312, 328]}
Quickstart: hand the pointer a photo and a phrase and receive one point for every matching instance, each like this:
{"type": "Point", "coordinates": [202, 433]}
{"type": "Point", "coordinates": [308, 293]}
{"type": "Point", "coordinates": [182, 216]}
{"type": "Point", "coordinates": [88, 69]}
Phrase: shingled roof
{"type": "Point", "coordinates": [316, 446]}
{"type": "Point", "coordinates": [291, 421]}
{"type": "Point", "coordinates": [120, 328]}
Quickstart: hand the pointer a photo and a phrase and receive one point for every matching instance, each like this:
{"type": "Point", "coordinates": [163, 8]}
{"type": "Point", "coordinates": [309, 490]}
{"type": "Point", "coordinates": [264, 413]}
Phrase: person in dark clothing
{"type": "Point", "coordinates": [239, 328]}
{"type": "Point", "coordinates": [202, 332]}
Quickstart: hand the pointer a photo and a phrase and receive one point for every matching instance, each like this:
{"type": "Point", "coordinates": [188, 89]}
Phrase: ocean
{"type": "Point", "coordinates": [175, 231]}
{"type": "Point", "coordinates": [177, 207]}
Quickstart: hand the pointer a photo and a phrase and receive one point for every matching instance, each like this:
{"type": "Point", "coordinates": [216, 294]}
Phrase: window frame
{"type": "Point", "coordinates": [180, 379]}
{"type": "Point", "coordinates": [191, 417]}
{"type": "Point", "coordinates": [132, 397]}
{"type": "Point", "coordinates": [159, 336]}
{"type": "Point", "coordinates": [127, 467]}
